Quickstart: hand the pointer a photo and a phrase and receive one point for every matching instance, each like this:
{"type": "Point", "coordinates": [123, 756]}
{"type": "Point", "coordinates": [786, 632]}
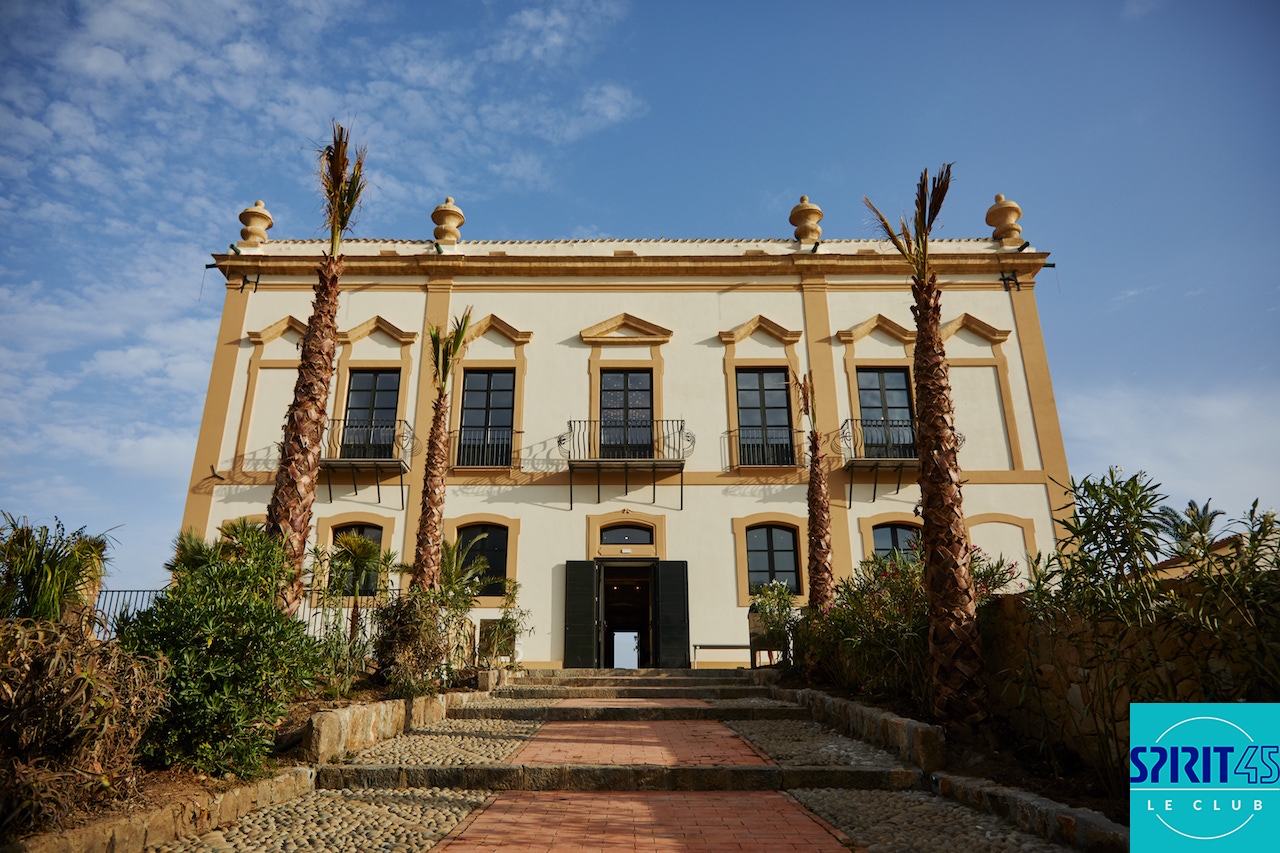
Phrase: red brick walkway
{"type": "Point", "coordinates": [667, 743]}
{"type": "Point", "coordinates": [632, 703]}
{"type": "Point", "coordinates": [703, 821]}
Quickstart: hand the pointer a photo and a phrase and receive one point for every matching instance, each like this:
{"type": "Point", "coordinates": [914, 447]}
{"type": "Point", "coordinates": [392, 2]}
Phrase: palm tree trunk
{"type": "Point", "coordinates": [820, 580]}
{"type": "Point", "coordinates": [289, 513]}
{"type": "Point", "coordinates": [955, 646]}
{"type": "Point", "coordinates": [426, 564]}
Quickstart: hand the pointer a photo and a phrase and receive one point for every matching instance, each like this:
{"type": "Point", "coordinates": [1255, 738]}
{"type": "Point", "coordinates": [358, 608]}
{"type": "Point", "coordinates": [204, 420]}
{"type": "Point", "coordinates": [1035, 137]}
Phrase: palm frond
{"type": "Point", "coordinates": [342, 183]}
{"type": "Point", "coordinates": [941, 184]}
{"type": "Point", "coordinates": [446, 347]}
{"type": "Point", "coordinates": [886, 228]}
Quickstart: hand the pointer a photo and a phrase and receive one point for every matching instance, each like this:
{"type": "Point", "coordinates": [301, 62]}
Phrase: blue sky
{"type": "Point", "coordinates": [1139, 136]}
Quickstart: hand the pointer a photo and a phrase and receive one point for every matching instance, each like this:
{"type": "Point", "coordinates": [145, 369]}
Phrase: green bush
{"type": "Point", "coordinates": [72, 711]}
{"type": "Point", "coordinates": [354, 565]}
{"type": "Point", "coordinates": [874, 637]}
{"type": "Point", "coordinates": [43, 569]}
{"type": "Point", "coordinates": [236, 660]}
{"type": "Point", "coordinates": [498, 637]}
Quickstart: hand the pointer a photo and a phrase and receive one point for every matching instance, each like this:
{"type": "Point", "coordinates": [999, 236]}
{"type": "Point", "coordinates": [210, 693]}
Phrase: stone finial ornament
{"type": "Point", "coordinates": [447, 217]}
{"type": "Point", "coordinates": [805, 217]}
{"type": "Point", "coordinates": [256, 221]}
{"type": "Point", "coordinates": [1003, 216]}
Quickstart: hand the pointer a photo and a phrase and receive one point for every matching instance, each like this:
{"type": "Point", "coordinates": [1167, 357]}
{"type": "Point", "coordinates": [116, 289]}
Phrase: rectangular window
{"type": "Point", "coordinates": [764, 417]}
{"type": "Point", "coordinates": [887, 429]}
{"type": "Point", "coordinates": [626, 414]}
{"type": "Point", "coordinates": [369, 428]}
{"type": "Point", "coordinates": [488, 404]}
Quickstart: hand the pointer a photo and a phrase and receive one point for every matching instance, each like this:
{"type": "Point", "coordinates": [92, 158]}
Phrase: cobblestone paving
{"type": "Point", "coordinates": [366, 820]}
{"type": "Point", "coordinates": [810, 744]}
{"type": "Point", "coordinates": [452, 742]}
{"type": "Point", "coordinates": [917, 822]}
{"type": "Point", "coordinates": [499, 702]}
{"type": "Point", "coordinates": [751, 702]}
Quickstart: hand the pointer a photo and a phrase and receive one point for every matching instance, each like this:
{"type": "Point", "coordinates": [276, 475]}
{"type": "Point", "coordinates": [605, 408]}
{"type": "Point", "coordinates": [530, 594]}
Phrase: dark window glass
{"type": "Point", "coordinates": [887, 428]}
{"type": "Point", "coordinates": [493, 547]}
{"type": "Point", "coordinates": [488, 405]}
{"type": "Point", "coordinates": [626, 414]}
{"type": "Point", "coordinates": [368, 579]}
{"type": "Point", "coordinates": [622, 534]}
{"type": "Point", "coordinates": [764, 417]}
{"type": "Point", "coordinates": [771, 555]}
{"type": "Point", "coordinates": [369, 429]}
{"type": "Point", "coordinates": [888, 538]}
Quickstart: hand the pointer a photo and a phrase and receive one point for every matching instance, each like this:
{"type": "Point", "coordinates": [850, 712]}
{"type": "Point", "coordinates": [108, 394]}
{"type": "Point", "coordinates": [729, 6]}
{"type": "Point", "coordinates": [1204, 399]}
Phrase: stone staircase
{"type": "Point", "coordinates": [623, 730]}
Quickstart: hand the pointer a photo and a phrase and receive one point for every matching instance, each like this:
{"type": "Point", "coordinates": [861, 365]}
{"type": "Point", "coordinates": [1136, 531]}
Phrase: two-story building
{"type": "Point", "coordinates": [624, 423]}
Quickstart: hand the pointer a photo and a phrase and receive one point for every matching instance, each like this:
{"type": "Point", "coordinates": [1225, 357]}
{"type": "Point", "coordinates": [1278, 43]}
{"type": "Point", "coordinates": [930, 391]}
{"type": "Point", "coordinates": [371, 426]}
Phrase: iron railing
{"type": "Point", "coordinates": [323, 611]}
{"type": "Point", "coordinates": [878, 438]}
{"type": "Point", "coordinates": [665, 440]}
{"type": "Point", "coordinates": [355, 439]}
{"type": "Point", "coordinates": [484, 447]}
{"type": "Point", "coordinates": [766, 446]}
{"type": "Point", "coordinates": [114, 603]}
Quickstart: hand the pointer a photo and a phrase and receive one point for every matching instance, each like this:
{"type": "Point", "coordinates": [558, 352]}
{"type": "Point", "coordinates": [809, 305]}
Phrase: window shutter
{"type": "Point", "coordinates": [673, 614]}
{"type": "Point", "coordinates": [581, 609]}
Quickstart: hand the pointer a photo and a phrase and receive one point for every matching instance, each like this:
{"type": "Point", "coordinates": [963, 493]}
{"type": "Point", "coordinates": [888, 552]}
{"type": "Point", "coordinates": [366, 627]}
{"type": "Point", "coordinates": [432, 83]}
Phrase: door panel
{"type": "Point", "coordinates": [673, 614]}
{"type": "Point", "coordinates": [581, 613]}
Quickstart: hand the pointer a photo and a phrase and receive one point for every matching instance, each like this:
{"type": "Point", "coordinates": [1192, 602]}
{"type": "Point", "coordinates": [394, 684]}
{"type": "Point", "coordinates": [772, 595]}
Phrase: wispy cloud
{"type": "Point", "coordinates": [1134, 9]}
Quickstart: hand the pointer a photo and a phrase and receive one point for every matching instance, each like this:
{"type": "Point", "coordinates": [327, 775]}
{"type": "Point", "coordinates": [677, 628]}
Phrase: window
{"type": "Point", "coordinates": [484, 435]}
{"type": "Point", "coordinates": [764, 417]}
{"type": "Point", "coordinates": [366, 577]}
{"type": "Point", "coordinates": [493, 547]}
{"type": "Point", "coordinates": [893, 537]}
{"type": "Point", "coordinates": [626, 534]}
{"type": "Point", "coordinates": [626, 414]}
{"type": "Point", "coordinates": [887, 429]}
{"type": "Point", "coordinates": [771, 555]}
{"type": "Point", "coordinates": [369, 431]}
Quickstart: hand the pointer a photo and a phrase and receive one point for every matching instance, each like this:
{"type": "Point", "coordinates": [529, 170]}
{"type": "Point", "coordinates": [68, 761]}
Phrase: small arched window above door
{"type": "Point", "coordinates": [627, 534]}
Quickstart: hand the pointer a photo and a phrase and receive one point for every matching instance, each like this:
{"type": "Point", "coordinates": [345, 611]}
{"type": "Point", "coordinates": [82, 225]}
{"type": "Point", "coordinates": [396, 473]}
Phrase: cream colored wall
{"type": "Point", "coordinates": [1007, 540]}
{"type": "Point", "coordinates": [271, 398]}
{"type": "Point", "coordinates": [980, 418]}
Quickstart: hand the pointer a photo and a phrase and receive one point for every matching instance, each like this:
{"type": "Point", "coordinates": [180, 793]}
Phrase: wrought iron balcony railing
{"type": "Point", "coordinates": [777, 446]}
{"type": "Point", "coordinates": [878, 438]}
{"type": "Point", "coordinates": [665, 440]}
{"type": "Point", "coordinates": [484, 447]}
{"type": "Point", "coordinates": [354, 439]}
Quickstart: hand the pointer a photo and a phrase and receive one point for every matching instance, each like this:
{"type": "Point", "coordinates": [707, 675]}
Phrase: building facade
{"type": "Point", "coordinates": [624, 424]}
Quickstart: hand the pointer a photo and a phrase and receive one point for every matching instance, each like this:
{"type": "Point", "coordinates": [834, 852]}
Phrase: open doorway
{"type": "Point", "coordinates": [626, 598]}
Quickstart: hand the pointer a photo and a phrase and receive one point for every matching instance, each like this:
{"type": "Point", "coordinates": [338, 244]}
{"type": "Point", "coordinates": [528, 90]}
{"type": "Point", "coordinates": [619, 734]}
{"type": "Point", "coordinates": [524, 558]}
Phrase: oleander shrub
{"type": "Point", "coordinates": [72, 711]}
{"type": "Point", "coordinates": [874, 637]}
{"type": "Point", "coordinates": [235, 659]}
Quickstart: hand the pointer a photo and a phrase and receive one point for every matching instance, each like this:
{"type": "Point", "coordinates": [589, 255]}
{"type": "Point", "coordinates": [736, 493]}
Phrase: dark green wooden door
{"type": "Point", "coordinates": [581, 613]}
{"type": "Point", "coordinates": [673, 614]}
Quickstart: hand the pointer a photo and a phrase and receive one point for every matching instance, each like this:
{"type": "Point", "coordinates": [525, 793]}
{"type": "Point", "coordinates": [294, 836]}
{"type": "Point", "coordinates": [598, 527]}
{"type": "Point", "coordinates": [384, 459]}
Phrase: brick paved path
{"type": "Point", "coordinates": [669, 743]}
{"type": "Point", "coordinates": [710, 821]}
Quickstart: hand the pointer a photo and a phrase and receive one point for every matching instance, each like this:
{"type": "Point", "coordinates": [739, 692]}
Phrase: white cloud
{"type": "Point", "coordinates": [1134, 9]}
{"type": "Point", "coordinates": [1207, 443]}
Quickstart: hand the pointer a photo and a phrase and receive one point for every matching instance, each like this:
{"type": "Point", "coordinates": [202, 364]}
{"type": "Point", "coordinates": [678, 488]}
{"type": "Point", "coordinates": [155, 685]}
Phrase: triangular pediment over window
{"type": "Point", "coordinates": [625, 329]}
{"type": "Point", "coordinates": [376, 324]}
{"type": "Point", "coordinates": [278, 328]}
{"type": "Point", "coordinates": [878, 323]}
{"type": "Point", "coordinates": [983, 330]}
{"type": "Point", "coordinates": [760, 323]}
{"type": "Point", "coordinates": [494, 323]}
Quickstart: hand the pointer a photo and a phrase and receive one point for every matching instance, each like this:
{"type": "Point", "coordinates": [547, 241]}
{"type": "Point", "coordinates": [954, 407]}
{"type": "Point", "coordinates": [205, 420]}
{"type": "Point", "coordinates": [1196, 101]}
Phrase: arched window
{"type": "Point", "coordinates": [493, 547]}
{"type": "Point", "coordinates": [366, 577]}
{"type": "Point", "coordinates": [888, 538]}
{"type": "Point", "coordinates": [627, 534]}
{"type": "Point", "coordinates": [772, 555]}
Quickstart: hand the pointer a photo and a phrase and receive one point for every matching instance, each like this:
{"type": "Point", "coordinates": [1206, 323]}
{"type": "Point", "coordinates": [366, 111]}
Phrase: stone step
{"type": "Point", "coordinates": [585, 672]}
{"type": "Point", "coordinates": [614, 777]}
{"type": "Point", "coordinates": [512, 691]}
{"type": "Point", "coordinates": [625, 681]}
{"type": "Point", "coordinates": [556, 713]}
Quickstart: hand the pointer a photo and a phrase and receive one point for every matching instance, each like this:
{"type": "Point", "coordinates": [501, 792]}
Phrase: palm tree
{"type": "Point", "coordinates": [445, 351]}
{"type": "Point", "coordinates": [820, 580]}
{"type": "Point", "coordinates": [289, 513]}
{"type": "Point", "coordinates": [47, 573]}
{"type": "Point", "coordinates": [955, 646]}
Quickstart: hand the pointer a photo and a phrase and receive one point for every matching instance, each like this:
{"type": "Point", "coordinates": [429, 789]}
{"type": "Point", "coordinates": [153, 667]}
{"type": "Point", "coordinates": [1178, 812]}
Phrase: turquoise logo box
{"type": "Point", "coordinates": [1204, 777]}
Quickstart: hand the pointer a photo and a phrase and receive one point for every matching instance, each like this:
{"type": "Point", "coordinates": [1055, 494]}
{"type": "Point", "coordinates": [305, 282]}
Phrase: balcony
{"type": "Point", "coordinates": [766, 447]}
{"type": "Point", "coordinates": [605, 446]}
{"type": "Point", "coordinates": [875, 444]}
{"type": "Point", "coordinates": [363, 445]}
{"type": "Point", "coordinates": [485, 447]}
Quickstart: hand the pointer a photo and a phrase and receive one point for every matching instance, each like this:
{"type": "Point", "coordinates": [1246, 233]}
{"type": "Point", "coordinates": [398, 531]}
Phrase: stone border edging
{"type": "Point", "coordinates": [133, 833]}
{"type": "Point", "coordinates": [1082, 828]}
{"type": "Point", "coordinates": [340, 731]}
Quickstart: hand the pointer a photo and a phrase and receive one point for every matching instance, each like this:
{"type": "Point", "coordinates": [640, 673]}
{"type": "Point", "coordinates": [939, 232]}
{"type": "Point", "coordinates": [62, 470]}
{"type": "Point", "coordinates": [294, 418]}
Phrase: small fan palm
{"type": "Point", "coordinates": [289, 512]}
{"type": "Point", "coordinates": [446, 352]}
{"type": "Point", "coordinates": [959, 695]}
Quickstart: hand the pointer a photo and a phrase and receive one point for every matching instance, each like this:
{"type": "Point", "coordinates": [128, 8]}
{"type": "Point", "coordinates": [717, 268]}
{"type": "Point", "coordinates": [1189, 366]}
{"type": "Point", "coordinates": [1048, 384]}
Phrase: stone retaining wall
{"type": "Point", "coordinates": [135, 832]}
{"type": "Point", "coordinates": [334, 733]}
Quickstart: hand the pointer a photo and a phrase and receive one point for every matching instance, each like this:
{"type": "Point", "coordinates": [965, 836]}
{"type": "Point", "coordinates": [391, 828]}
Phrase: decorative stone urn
{"type": "Point", "coordinates": [1003, 216]}
{"type": "Point", "coordinates": [805, 217]}
{"type": "Point", "coordinates": [447, 217]}
{"type": "Point", "coordinates": [256, 221]}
